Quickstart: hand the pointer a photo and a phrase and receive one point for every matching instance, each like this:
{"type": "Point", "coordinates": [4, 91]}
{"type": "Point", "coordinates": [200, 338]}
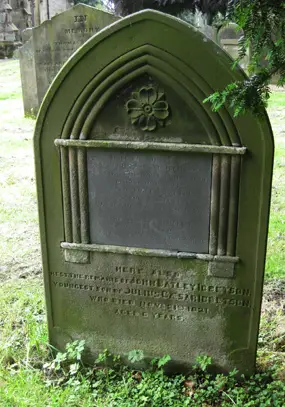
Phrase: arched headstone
{"type": "Point", "coordinates": [153, 209]}
{"type": "Point", "coordinates": [48, 46]}
{"type": "Point", "coordinates": [228, 38]}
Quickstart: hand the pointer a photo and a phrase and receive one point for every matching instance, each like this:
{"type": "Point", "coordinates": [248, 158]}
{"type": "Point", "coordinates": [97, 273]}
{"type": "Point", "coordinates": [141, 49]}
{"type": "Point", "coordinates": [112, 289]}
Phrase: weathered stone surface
{"type": "Point", "coordinates": [151, 189]}
{"type": "Point", "coordinates": [228, 38]}
{"type": "Point", "coordinates": [7, 31]}
{"type": "Point", "coordinates": [51, 44]}
{"type": "Point", "coordinates": [27, 34]}
{"type": "Point", "coordinates": [153, 208]}
{"type": "Point", "coordinates": [46, 10]}
{"type": "Point", "coordinates": [22, 14]}
{"type": "Point", "coordinates": [29, 77]}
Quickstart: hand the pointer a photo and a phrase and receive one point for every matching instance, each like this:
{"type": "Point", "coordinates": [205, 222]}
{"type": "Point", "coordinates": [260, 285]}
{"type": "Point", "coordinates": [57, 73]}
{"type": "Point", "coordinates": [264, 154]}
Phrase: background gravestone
{"type": "Point", "coordinates": [228, 38]}
{"type": "Point", "coordinates": [153, 209]}
{"type": "Point", "coordinates": [28, 77]}
{"type": "Point", "coordinates": [51, 44]}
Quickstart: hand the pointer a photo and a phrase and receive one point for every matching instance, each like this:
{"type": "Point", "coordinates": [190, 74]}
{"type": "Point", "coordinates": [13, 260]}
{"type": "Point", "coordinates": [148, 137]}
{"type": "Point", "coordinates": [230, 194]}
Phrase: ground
{"type": "Point", "coordinates": [21, 288]}
{"type": "Point", "coordinates": [19, 244]}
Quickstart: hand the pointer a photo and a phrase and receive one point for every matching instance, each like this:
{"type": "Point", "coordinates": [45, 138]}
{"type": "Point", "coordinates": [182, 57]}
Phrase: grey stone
{"type": "Point", "coordinates": [144, 203]}
{"type": "Point", "coordinates": [27, 34]}
{"type": "Point", "coordinates": [51, 44]}
{"type": "Point", "coordinates": [8, 31]}
{"type": "Point", "coordinates": [23, 15]}
{"type": "Point", "coordinates": [28, 77]}
{"type": "Point", "coordinates": [218, 269]}
{"type": "Point", "coordinates": [153, 208]}
{"type": "Point", "coordinates": [228, 37]}
{"type": "Point", "coordinates": [46, 10]}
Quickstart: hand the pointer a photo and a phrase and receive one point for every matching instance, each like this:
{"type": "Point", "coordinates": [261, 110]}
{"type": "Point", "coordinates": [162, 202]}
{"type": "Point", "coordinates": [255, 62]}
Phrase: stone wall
{"type": "Point", "coordinates": [22, 15]}
{"type": "Point", "coordinates": [8, 31]}
{"type": "Point", "coordinates": [27, 13]}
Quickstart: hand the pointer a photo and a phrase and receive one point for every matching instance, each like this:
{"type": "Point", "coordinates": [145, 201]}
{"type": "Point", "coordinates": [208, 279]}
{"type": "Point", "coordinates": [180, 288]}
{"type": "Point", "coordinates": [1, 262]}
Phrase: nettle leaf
{"type": "Point", "coordinates": [162, 361]}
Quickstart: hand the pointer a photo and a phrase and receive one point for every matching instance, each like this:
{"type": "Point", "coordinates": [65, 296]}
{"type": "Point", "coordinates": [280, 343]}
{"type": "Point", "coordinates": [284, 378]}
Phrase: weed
{"type": "Point", "coordinates": [203, 362]}
{"type": "Point", "coordinates": [160, 362]}
{"type": "Point", "coordinates": [135, 356]}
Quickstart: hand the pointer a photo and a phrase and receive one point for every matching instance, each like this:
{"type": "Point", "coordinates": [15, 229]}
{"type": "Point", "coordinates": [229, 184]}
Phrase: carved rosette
{"type": "Point", "coordinates": [147, 108]}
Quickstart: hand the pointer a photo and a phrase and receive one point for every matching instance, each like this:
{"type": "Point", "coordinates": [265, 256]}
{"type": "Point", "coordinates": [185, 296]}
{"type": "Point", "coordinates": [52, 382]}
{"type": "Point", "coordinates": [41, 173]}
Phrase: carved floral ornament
{"type": "Point", "coordinates": [147, 108]}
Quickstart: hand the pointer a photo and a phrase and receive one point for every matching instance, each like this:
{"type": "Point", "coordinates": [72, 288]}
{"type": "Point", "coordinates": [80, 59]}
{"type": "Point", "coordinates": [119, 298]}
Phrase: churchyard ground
{"type": "Point", "coordinates": [23, 333]}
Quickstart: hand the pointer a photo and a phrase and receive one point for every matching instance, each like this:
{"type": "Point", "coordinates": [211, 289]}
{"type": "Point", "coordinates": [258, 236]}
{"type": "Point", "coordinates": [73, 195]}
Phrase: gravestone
{"type": "Point", "coordinates": [51, 44]}
{"type": "Point", "coordinates": [228, 38]}
{"type": "Point", "coordinates": [153, 209]}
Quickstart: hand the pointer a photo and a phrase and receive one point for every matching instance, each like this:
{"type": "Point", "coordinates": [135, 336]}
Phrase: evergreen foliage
{"type": "Point", "coordinates": [175, 7]}
{"type": "Point", "coordinates": [263, 25]}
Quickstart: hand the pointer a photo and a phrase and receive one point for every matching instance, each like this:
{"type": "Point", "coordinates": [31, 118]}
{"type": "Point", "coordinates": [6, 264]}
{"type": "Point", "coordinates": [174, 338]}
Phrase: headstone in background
{"type": "Point", "coordinates": [51, 44]}
{"type": "Point", "coordinates": [153, 209]}
{"type": "Point", "coordinates": [228, 38]}
{"type": "Point", "coordinates": [7, 31]}
{"type": "Point", "coordinates": [27, 34]}
{"type": "Point", "coordinates": [200, 21]}
{"type": "Point", "coordinates": [29, 77]}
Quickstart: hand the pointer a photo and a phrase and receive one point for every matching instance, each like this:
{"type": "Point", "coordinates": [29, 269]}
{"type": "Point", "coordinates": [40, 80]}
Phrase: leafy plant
{"type": "Point", "coordinates": [135, 355]}
{"type": "Point", "coordinates": [203, 362]}
{"type": "Point", "coordinates": [66, 365]}
{"type": "Point", "coordinates": [103, 357]}
{"type": "Point", "coordinates": [160, 362]}
{"type": "Point", "coordinates": [263, 26]}
{"type": "Point", "coordinates": [175, 7]}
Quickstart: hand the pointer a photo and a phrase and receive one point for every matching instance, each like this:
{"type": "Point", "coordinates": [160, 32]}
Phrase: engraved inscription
{"type": "Point", "coordinates": [80, 19]}
{"type": "Point", "coordinates": [51, 55]}
{"type": "Point", "coordinates": [157, 283]}
{"type": "Point", "coordinates": [138, 292]}
{"type": "Point", "coordinates": [61, 51]}
{"type": "Point", "coordinates": [80, 30]}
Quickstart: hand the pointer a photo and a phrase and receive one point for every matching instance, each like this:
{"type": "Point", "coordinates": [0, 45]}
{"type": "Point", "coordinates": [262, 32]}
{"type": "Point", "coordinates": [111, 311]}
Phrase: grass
{"type": "Point", "coordinates": [10, 89]}
{"type": "Point", "coordinates": [19, 243]}
{"type": "Point", "coordinates": [275, 265]}
{"type": "Point", "coordinates": [24, 353]}
{"type": "Point", "coordinates": [277, 99]}
{"type": "Point", "coordinates": [275, 262]}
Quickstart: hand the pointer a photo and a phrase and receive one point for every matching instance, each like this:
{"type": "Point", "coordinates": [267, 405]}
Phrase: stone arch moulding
{"type": "Point", "coordinates": [170, 67]}
{"type": "Point", "coordinates": [224, 146]}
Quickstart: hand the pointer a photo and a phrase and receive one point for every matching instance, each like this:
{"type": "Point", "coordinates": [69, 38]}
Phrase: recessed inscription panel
{"type": "Point", "coordinates": [149, 200]}
{"type": "Point", "coordinates": [159, 305]}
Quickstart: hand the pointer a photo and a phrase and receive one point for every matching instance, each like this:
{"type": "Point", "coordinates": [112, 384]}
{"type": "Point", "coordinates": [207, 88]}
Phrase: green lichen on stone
{"type": "Point", "coordinates": [147, 108]}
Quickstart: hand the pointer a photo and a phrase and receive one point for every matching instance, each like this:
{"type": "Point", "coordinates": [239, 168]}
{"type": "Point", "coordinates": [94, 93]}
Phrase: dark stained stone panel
{"type": "Point", "coordinates": [151, 200]}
